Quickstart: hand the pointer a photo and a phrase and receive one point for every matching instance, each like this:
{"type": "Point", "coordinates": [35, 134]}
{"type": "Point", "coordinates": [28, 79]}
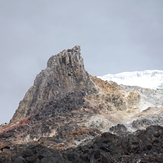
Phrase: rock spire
{"type": "Point", "coordinates": [65, 75]}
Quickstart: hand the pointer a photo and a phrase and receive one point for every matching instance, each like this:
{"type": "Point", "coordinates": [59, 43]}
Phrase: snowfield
{"type": "Point", "coordinates": [152, 79]}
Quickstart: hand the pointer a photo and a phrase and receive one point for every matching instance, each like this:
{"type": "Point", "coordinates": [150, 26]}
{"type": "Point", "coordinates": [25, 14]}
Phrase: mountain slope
{"type": "Point", "coordinates": [65, 97]}
{"type": "Point", "coordinates": [152, 79]}
{"type": "Point", "coordinates": [63, 117]}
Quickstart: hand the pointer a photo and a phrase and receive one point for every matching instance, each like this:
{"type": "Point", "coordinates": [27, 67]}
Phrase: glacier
{"type": "Point", "coordinates": [152, 79]}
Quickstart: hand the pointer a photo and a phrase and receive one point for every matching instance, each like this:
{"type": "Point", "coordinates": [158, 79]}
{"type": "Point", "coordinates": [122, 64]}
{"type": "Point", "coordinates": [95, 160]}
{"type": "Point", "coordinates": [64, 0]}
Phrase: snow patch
{"type": "Point", "coordinates": [152, 79]}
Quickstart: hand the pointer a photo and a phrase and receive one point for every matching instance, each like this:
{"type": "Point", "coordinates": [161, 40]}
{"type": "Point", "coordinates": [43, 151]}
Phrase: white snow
{"type": "Point", "coordinates": [152, 79]}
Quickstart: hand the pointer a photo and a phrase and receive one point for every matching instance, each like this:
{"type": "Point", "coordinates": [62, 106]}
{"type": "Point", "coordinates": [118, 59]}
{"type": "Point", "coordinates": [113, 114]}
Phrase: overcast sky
{"type": "Point", "coordinates": [114, 35]}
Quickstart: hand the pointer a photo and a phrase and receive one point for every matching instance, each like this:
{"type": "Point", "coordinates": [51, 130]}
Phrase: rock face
{"type": "Point", "coordinates": [64, 76]}
{"type": "Point", "coordinates": [66, 116]}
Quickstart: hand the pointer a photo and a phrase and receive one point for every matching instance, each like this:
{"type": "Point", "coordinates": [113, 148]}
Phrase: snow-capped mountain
{"type": "Point", "coordinates": [152, 79]}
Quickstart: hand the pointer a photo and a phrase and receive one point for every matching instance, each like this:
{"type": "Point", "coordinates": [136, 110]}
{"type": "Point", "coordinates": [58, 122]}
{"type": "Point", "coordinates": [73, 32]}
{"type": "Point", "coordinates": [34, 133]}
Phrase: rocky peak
{"type": "Point", "coordinates": [70, 57]}
{"type": "Point", "coordinates": [65, 75]}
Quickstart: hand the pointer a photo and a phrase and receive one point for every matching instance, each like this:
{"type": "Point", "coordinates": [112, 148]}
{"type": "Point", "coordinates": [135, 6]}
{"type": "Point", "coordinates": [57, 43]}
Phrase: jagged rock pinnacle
{"type": "Point", "coordinates": [64, 73]}
{"type": "Point", "coordinates": [69, 57]}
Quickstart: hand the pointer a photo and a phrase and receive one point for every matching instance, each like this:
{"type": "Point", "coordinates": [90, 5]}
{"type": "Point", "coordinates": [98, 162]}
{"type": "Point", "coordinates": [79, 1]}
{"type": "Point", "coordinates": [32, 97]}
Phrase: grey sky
{"type": "Point", "coordinates": [114, 35]}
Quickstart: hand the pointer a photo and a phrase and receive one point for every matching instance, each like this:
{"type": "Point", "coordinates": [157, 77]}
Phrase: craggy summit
{"type": "Point", "coordinates": [64, 76]}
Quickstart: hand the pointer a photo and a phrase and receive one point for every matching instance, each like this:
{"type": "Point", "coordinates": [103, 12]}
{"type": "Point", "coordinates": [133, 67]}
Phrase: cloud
{"type": "Point", "coordinates": [114, 36]}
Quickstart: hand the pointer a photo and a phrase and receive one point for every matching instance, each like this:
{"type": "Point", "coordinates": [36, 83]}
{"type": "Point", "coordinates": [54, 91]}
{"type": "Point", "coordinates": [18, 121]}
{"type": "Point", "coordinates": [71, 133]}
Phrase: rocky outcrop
{"type": "Point", "coordinates": [63, 81]}
{"type": "Point", "coordinates": [148, 117]}
{"type": "Point", "coordinates": [149, 97]}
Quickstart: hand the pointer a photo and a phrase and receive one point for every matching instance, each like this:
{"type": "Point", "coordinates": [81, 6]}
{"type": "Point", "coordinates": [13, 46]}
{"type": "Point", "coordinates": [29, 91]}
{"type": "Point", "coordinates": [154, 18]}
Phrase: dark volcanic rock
{"type": "Point", "coordinates": [149, 120]}
{"type": "Point", "coordinates": [118, 129]}
{"type": "Point", "coordinates": [143, 146]}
